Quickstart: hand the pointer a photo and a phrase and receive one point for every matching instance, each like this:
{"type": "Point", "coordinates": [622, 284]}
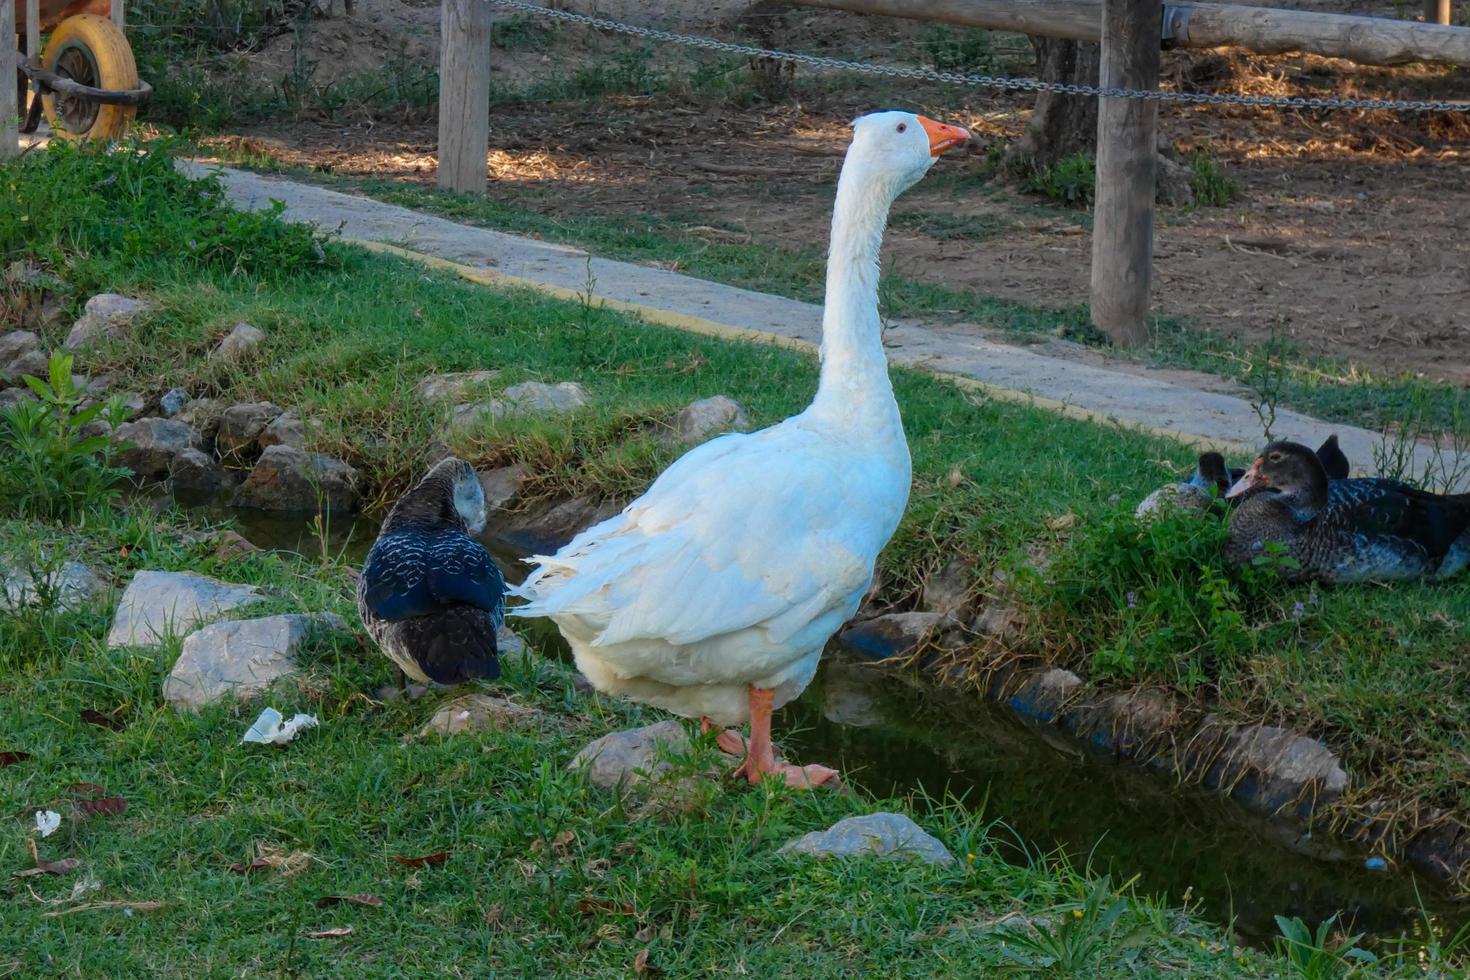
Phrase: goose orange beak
{"type": "Point", "coordinates": [1249, 480]}
{"type": "Point", "coordinates": [943, 136]}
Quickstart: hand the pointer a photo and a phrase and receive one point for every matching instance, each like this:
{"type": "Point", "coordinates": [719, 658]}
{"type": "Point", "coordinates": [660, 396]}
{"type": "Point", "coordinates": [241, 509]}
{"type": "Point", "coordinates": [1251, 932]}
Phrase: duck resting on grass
{"type": "Point", "coordinates": [430, 595]}
{"type": "Point", "coordinates": [1212, 479]}
{"type": "Point", "coordinates": [1344, 530]}
{"type": "Point", "coordinates": [713, 594]}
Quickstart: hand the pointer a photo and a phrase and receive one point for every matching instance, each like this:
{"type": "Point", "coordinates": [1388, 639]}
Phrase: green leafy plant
{"type": "Point", "coordinates": [958, 49]}
{"type": "Point", "coordinates": [1080, 936]}
{"type": "Point", "coordinates": [1213, 188]}
{"type": "Point", "coordinates": [1071, 181]}
{"type": "Point", "coordinates": [1319, 955]}
{"type": "Point", "coordinates": [50, 467]}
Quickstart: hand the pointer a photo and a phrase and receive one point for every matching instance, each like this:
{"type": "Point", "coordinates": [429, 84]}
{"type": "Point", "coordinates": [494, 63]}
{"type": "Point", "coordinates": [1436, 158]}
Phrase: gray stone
{"type": "Point", "coordinates": [950, 590]}
{"type": "Point", "coordinates": [893, 634]}
{"type": "Point", "coordinates": [1043, 694]}
{"type": "Point", "coordinates": [848, 696]}
{"type": "Point", "coordinates": [1175, 183]}
{"type": "Point", "coordinates": [1000, 621]}
{"type": "Point", "coordinates": [454, 387]}
{"type": "Point", "coordinates": [240, 658]}
{"type": "Point", "coordinates": [1288, 767]}
{"type": "Point", "coordinates": [17, 343]}
{"type": "Point", "coordinates": [34, 363]}
{"type": "Point", "coordinates": [240, 428]}
{"type": "Point", "coordinates": [72, 586]}
{"type": "Point", "coordinates": [508, 643]}
{"type": "Point", "coordinates": [503, 485]}
{"type": "Point", "coordinates": [242, 339]}
{"type": "Point", "coordinates": [479, 713]}
{"type": "Point", "coordinates": [877, 834]}
{"type": "Point", "coordinates": [707, 417]}
{"type": "Point", "coordinates": [526, 398]}
{"type": "Point", "coordinates": [156, 605]}
{"type": "Point", "coordinates": [286, 429]}
{"type": "Point", "coordinates": [10, 397]}
{"type": "Point", "coordinates": [173, 401]}
{"type": "Point", "coordinates": [286, 478]}
{"type": "Point", "coordinates": [152, 444]}
{"type": "Point", "coordinates": [106, 315]}
{"type": "Point", "coordinates": [625, 761]}
{"type": "Point", "coordinates": [541, 531]}
{"type": "Point", "coordinates": [193, 472]}
{"type": "Point", "coordinates": [203, 414]}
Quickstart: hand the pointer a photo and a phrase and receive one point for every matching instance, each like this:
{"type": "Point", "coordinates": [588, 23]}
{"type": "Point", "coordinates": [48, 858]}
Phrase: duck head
{"type": "Point", "coordinates": [1211, 472]}
{"type": "Point", "coordinates": [450, 493]}
{"type": "Point", "coordinates": [893, 148]}
{"type": "Point", "coordinates": [1289, 470]}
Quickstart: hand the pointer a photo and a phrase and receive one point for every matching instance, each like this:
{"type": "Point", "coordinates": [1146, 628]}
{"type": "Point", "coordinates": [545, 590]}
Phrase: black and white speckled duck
{"type": "Point", "coordinates": [1345, 530]}
{"type": "Point", "coordinates": [1212, 478]}
{"type": "Point", "coordinates": [430, 595]}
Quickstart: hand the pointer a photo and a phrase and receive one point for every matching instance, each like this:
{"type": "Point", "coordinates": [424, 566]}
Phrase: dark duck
{"type": "Point", "coordinates": [1344, 530]}
{"type": "Point", "coordinates": [1212, 478]}
{"type": "Point", "coordinates": [430, 595]}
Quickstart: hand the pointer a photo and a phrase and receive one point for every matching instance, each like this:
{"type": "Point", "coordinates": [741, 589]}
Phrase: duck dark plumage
{"type": "Point", "coordinates": [430, 595]}
{"type": "Point", "coordinates": [1212, 478]}
{"type": "Point", "coordinates": [1345, 530]}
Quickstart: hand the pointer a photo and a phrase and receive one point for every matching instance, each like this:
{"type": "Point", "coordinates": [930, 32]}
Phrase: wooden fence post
{"type": "Point", "coordinates": [119, 14]}
{"type": "Point", "coordinates": [9, 65]}
{"type": "Point", "coordinates": [1127, 158]}
{"type": "Point", "coordinates": [1437, 11]}
{"type": "Point", "coordinates": [464, 94]}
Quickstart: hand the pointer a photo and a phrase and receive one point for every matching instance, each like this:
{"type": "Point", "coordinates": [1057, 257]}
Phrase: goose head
{"type": "Point", "coordinates": [1290, 471]}
{"type": "Point", "coordinates": [892, 149]}
{"type": "Point", "coordinates": [450, 493]}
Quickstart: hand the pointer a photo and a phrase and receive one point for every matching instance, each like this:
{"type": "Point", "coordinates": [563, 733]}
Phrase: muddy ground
{"type": "Point", "coordinates": [1347, 234]}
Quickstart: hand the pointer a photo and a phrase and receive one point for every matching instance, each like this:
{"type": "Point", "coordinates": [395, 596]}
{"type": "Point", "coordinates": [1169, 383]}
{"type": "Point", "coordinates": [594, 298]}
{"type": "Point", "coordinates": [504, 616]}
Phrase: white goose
{"type": "Point", "coordinates": [713, 594]}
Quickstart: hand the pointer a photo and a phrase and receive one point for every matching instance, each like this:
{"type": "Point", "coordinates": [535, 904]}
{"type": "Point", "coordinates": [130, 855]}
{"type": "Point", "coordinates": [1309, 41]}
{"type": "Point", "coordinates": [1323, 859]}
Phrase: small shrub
{"type": "Point", "coordinates": [49, 468]}
{"type": "Point", "coordinates": [1071, 181]}
{"type": "Point", "coordinates": [1213, 188]}
{"type": "Point", "coordinates": [958, 48]}
{"type": "Point", "coordinates": [1319, 955]}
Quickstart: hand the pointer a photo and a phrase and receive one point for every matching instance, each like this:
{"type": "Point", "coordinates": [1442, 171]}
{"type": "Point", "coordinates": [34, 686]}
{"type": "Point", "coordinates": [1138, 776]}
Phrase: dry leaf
{"type": "Point", "coordinates": [336, 933]}
{"type": "Point", "coordinates": [112, 720]}
{"type": "Point", "coordinates": [267, 856]}
{"type": "Point", "coordinates": [640, 964]}
{"type": "Point", "coordinates": [562, 842]}
{"type": "Point", "coordinates": [419, 862]}
{"type": "Point", "coordinates": [111, 806]}
{"type": "Point", "coordinates": [11, 758]}
{"type": "Point", "coordinates": [493, 915]}
{"type": "Point", "coordinates": [64, 866]}
{"type": "Point", "coordinates": [956, 476]}
{"type": "Point", "coordinates": [130, 906]}
{"type": "Point", "coordinates": [327, 901]}
{"type": "Point", "coordinates": [1062, 523]}
{"type": "Point", "coordinates": [591, 906]}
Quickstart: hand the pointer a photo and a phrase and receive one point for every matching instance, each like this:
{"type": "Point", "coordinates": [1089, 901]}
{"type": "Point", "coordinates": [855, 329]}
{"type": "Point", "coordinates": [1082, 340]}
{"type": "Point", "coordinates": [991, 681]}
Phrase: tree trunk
{"type": "Point", "coordinates": [1061, 125]}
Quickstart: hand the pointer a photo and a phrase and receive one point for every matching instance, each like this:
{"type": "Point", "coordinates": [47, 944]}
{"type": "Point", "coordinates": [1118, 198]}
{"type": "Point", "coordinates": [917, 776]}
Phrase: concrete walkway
{"type": "Point", "coordinates": [1135, 397]}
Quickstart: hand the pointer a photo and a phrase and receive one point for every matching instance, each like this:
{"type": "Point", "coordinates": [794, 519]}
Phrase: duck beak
{"type": "Point", "coordinates": [1251, 479]}
{"type": "Point", "coordinates": [943, 136]}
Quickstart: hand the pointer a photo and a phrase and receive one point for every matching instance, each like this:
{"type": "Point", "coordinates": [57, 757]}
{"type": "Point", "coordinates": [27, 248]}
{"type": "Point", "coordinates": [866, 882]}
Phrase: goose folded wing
{"type": "Point", "coordinates": [1387, 507]}
{"type": "Point", "coordinates": [427, 572]}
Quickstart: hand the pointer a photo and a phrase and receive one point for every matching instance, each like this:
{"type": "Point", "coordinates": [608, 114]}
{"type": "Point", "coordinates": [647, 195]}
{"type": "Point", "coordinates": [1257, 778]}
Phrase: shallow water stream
{"type": "Point", "coordinates": [893, 733]}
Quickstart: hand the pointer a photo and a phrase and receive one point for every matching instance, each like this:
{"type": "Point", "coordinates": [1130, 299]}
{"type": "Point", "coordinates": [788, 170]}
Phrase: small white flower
{"type": "Point", "coordinates": [47, 821]}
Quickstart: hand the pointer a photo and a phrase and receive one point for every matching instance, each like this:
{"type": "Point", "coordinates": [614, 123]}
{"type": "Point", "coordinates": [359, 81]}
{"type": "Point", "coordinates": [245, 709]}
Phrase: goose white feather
{"type": "Point", "coordinates": [745, 556]}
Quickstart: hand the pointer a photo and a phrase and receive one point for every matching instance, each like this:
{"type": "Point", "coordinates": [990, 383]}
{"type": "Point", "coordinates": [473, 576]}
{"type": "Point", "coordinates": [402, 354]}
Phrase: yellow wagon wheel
{"type": "Point", "coordinates": [94, 51]}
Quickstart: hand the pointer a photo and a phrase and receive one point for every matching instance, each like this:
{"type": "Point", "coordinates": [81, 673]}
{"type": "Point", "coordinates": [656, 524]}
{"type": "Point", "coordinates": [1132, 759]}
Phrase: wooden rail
{"type": "Point", "coordinates": [1365, 40]}
{"type": "Point", "coordinates": [9, 67]}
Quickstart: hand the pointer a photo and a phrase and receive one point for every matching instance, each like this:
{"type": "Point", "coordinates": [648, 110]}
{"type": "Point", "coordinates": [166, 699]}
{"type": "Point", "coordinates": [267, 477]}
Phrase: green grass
{"type": "Point", "coordinates": [349, 335]}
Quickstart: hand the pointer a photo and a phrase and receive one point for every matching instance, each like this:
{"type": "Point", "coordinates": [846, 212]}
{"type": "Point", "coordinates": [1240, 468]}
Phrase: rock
{"type": "Point", "coordinates": [72, 586]}
{"type": "Point", "coordinates": [542, 531]}
{"type": "Point", "coordinates": [133, 405]}
{"type": "Point", "coordinates": [1043, 694]}
{"type": "Point", "coordinates": [1175, 183]}
{"type": "Point", "coordinates": [877, 834]}
{"type": "Point", "coordinates": [478, 713]}
{"type": "Point", "coordinates": [454, 387]}
{"type": "Point", "coordinates": [106, 315]}
{"type": "Point", "coordinates": [1000, 621]}
{"type": "Point", "coordinates": [17, 343]}
{"type": "Point", "coordinates": [153, 444]}
{"type": "Point", "coordinates": [508, 643]}
{"type": "Point", "coordinates": [1282, 768]}
{"type": "Point", "coordinates": [1131, 723]}
{"type": "Point", "coordinates": [892, 634]}
{"type": "Point", "coordinates": [503, 485]}
{"type": "Point", "coordinates": [1173, 498]}
{"type": "Point", "coordinates": [626, 761]}
{"type": "Point", "coordinates": [848, 695]}
{"type": "Point", "coordinates": [231, 544]}
{"type": "Point", "coordinates": [526, 398]}
{"type": "Point", "coordinates": [10, 397]}
{"type": "Point", "coordinates": [286, 478]}
{"type": "Point", "coordinates": [240, 658]}
{"type": "Point", "coordinates": [34, 363]}
{"type": "Point", "coordinates": [242, 339]}
{"type": "Point", "coordinates": [156, 605]}
{"type": "Point", "coordinates": [195, 473]}
{"type": "Point", "coordinates": [698, 421]}
{"type": "Point", "coordinates": [950, 590]}
{"type": "Point", "coordinates": [240, 428]}
{"type": "Point", "coordinates": [203, 414]}
{"type": "Point", "coordinates": [172, 402]}
{"type": "Point", "coordinates": [99, 385]}
{"type": "Point", "coordinates": [284, 430]}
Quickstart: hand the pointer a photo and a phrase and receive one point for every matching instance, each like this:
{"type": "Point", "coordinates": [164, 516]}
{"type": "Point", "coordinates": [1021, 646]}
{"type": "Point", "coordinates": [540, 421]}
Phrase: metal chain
{"type": "Point", "coordinates": [981, 81]}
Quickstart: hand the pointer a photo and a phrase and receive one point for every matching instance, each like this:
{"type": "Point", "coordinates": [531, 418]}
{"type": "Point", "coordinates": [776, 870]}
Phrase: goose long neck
{"type": "Point", "coordinates": [854, 377]}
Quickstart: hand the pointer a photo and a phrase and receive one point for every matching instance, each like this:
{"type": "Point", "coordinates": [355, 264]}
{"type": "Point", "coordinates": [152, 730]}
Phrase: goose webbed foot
{"type": "Point", "coordinates": [759, 752]}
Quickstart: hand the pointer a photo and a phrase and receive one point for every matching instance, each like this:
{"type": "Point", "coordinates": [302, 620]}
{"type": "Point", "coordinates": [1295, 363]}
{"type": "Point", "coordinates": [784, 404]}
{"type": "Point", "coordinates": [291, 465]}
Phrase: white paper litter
{"type": "Point", "coordinates": [270, 730]}
{"type": "Point", "coordinates": [47, 821]}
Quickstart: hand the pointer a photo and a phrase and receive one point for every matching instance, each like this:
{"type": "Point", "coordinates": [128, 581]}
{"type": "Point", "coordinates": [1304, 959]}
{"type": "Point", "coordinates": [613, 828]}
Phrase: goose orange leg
{"type": "Point", "coordinates": [760, 755]}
